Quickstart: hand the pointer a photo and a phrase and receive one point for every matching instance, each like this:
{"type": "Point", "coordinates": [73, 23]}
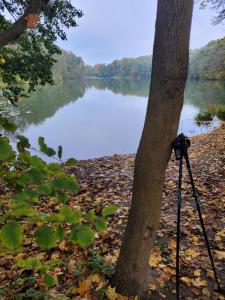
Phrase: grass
{"type": "Point", "coordinates": [207, 115]}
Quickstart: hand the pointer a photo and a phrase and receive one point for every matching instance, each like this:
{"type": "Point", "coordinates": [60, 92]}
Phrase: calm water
{"type": "Point", "coordinates": [101, 117]}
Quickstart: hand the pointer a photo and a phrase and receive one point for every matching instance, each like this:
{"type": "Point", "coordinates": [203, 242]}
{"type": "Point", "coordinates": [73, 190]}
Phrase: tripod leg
{"type": "Point", "coordinates": [195, 195]}
{"type": "Point", "coordinates": [178, 227]}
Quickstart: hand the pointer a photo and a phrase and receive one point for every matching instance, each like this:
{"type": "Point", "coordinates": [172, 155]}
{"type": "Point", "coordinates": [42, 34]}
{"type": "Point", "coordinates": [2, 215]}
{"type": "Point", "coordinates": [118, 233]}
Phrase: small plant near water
{"type": "Point", "coordinates": [207, 115]}
{"type": "Point", "coordinates": [29, 184]}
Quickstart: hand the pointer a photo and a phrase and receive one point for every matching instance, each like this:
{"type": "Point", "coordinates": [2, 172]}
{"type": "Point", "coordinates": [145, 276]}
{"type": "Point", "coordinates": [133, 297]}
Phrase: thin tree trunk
{"type": "Point", "coordinates": [169, 73]}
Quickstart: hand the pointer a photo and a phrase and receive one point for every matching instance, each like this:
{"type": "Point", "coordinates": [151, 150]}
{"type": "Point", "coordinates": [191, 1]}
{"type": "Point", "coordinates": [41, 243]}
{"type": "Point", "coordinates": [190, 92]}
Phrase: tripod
{"type": "Point", "coordinates": [180, 146]}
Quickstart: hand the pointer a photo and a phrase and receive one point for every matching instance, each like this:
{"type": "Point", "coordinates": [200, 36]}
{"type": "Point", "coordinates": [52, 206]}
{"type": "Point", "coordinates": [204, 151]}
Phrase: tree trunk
{"type": "Point", "coordinates": [169, 74]}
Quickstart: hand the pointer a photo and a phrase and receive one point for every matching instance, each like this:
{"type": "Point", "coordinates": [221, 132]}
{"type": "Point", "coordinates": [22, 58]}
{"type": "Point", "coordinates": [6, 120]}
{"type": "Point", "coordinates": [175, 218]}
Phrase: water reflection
{"type": "Point", "coordinates": [92, 118]}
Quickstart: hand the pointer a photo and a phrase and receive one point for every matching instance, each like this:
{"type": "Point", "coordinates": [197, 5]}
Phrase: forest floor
{"type": "Point", "coordinates": [108, 180]}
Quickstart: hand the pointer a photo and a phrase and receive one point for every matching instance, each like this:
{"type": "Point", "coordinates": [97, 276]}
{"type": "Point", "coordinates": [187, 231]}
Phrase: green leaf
{"type": "Point", "coordinates": [45, 189]}
{"type": "Point", "coordinates": [7, 125]}
{"type": "Point", "coordinates": [70, 216]}
{"type": "Point", "coordinates": [23, 180]}
{"type": "Point", "coordinates": [54, 167]}
{"type": "Point", "coordinates": [109, 210]}
{"type": "Point", "coordinates": [59, 183]}
{"type": "Point", "coordinates": [50, 280]}
{"type": "Point", "coordinates": [60, 233]}
{"type": "Point", "coordinates": [71, 162]}
{"type": "Point", "coordinates": [27, 212]}
{"type": "Point", "coordinates": [44, 148]}
{"type": "Point", "coordinates": [101, 224]}
{"type": "Point", "coordinates": [82, 235]}
{"type": "Point", "coordinates": [23, 143]}
{"type": "Point", "coordinates": [36, 176]}
{"type": "Point", "coordinates": [90, 217]}
{"type": "Point", "coordinates": [60, 152]}
{"type": "Point", "coordinates": [6, 151]}
{"type": "Point", "coordinates": [54, 218]}
{"type": "Point", "coordinates": [29, 264]}
{"type": "Point", "coordinates": [62, 197]}
{"type": "Point", "coordinates": [11, 236]}
{"type": "Point", "coordinates": [72, 185]}
{"type": "Point", "coordinates": [46, 237]}
{"type": "Point", "coordinates": [31, 195]}
{"type": "Point", "coordinates": [37, 163]}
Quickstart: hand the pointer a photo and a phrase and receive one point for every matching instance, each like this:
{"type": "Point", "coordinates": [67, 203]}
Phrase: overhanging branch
{"type": "Point", "coordinates": [20, 26]}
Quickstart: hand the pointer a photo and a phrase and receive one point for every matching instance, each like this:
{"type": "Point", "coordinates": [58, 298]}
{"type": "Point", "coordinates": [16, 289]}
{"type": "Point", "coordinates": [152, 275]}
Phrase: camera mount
{"type": "Point", "coordinates": [180, 146]}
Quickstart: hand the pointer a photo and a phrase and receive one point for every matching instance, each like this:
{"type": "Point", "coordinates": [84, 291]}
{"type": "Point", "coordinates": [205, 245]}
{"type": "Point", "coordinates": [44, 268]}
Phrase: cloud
{"type": "Point", "coordinates": [125, 28]}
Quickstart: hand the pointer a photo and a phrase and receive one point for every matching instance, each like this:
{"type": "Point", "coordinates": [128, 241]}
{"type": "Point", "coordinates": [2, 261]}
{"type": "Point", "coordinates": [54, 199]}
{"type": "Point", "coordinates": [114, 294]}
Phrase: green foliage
{"type": "Point", "coordinates": [136, 68]}
{"type": "Point", "coordinates": [7, 125]}
{"type": "Point", "coordinates": [44, 148]}
{"type": "Point", "coordinates": [6, 151]}
{"type": "Point", "coordinates": [109, 210]}
{"type": "Point", "coordinates": [208, 62]}
{"type": "Point", "coordinates": [82, 235]}
{"type": "Point", "coordinates": [50, 280]}
{"type": "Point", "coordinates": [204, 116]}
{"type": "Point", "coordinates": [70, 162]}
{"type": "Point", "coordinates": [31, 180]}
{"type": "Point", "coordinates": [11, 236]}
{"type": "Point", "coordinates": [98, 265]}
{"type": "Point", "coordinates": [46, 237]}
{"type": "Point", "coordinates": [210, 112]}
{"type": "Point", "coordinates": [100, 224]}
{"type": "Point", "coordinates": [30, 58]}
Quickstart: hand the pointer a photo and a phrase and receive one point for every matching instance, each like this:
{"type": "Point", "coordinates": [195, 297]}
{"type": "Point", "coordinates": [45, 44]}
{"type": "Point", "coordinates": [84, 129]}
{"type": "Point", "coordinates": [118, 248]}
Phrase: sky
{"type": "Point", "coordinates": [113, 29]}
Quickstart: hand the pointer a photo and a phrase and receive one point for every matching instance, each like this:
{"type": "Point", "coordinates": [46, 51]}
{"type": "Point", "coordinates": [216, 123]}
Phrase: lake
{"type": "Point", "coordinates": [94, 118]}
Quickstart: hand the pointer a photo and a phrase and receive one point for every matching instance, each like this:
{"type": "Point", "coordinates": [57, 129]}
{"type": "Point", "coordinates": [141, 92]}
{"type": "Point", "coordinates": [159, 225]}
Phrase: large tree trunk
{"type": "Point", "coordinates": [169, 73]}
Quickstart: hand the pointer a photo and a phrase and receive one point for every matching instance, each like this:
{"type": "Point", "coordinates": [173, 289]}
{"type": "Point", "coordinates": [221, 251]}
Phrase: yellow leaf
{"type": "Point", "coordinates": [111, 293]}
{"type": "Point", "coordinates": [186, 280]}
{"type": "Point", "coordinates": [192, 252]}
{"type": "Point", "coordinates": [195, 239]}
{"type": "Point", "coordinates": [197, 273]}
{"type": "Point", "coordinates": [155, 259]}
{"type": "Point", "coordinates": [197, 282]}
{"type": "Point", "coordinates": [209, 273]}
{"type": "Point", "coordinates": [220, 254]}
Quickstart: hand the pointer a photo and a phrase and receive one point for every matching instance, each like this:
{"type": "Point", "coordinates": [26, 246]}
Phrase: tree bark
{"type": "Point", "coordinates": [169, 74]}
{"type": "Point", "coordinates": [20, 26]}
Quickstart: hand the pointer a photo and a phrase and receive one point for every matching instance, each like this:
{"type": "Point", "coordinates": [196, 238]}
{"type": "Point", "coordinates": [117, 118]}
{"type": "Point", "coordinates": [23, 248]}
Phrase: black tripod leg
{"type": "Point", "coordinates": [178, 227]}
{"type": "Point", "coordinates": [195, 195]}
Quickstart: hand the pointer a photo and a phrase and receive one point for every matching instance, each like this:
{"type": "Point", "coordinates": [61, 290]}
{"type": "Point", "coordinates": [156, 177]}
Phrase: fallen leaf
{"type": "Point", "coordinates": [186, 280]}
{"type": "Point", "coordinates": [220, 254]}
{"type": "Point", "coordinates": [83, 288]}
{"type": "Point", "coordinates": [197, 273]}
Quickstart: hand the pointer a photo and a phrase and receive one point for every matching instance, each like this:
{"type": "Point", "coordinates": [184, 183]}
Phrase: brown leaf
{"type": "Point", "coordinates": [32, 20]}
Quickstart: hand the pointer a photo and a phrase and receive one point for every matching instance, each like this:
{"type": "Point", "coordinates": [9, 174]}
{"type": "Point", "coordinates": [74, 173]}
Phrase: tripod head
{"type": "Point", "coordinates": [180, 146]}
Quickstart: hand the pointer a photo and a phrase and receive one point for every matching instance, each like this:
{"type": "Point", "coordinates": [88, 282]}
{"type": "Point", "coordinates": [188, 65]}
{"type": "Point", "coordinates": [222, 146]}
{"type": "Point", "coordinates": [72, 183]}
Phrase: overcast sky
{"type": "Point", "coordinates": [112, 29]}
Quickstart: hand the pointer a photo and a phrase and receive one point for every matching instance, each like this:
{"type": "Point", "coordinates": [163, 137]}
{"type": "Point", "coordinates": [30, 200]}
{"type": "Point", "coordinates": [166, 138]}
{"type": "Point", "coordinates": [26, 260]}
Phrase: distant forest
{"type": "Point", "coordinates": [205, 63]}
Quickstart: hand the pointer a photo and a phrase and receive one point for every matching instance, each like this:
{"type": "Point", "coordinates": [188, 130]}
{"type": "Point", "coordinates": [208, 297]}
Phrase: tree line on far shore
{"type": "Point", "coordinates": [206, 63]}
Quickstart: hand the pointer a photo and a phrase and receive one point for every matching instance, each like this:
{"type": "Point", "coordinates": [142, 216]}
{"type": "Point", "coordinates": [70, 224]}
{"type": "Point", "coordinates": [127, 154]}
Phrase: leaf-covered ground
{"type": "Point", "coordinates": [108, 180]}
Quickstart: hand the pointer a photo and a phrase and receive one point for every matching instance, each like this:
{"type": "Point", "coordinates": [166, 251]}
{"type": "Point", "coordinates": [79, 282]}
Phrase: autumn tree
{"type": "Point", "coordinates": [169, 73]}
{"type": "Point", "coordinates": [29, 30]}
